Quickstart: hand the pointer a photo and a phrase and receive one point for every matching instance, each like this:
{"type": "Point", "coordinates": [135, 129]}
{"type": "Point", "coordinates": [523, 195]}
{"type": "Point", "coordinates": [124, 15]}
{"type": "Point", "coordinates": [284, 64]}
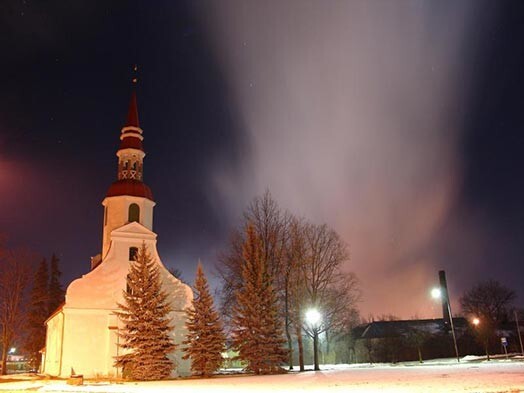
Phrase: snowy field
{"type": "Point", "coordinates": [494, 376]}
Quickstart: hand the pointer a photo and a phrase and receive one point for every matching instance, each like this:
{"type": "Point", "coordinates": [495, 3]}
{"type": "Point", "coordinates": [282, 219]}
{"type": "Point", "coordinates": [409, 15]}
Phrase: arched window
{"type": "Point", "coordinates": [134, 213]}
{"type": "Point", "coordinates": [133, 251]}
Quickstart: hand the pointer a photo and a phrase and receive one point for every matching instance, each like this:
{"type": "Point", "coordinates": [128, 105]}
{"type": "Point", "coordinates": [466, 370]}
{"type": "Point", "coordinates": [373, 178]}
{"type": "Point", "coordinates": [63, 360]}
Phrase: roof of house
{"type": "Point", "coordinates": [383, 329]}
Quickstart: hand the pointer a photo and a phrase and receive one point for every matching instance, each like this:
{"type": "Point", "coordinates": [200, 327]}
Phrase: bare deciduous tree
{"type": "Point", "coordinates": [15, 268]}
{"type": "Point", "coordinates": [305, 263]}
{"type": "Point", "coordinates": [491, 303]}
{"type": "Point", "coordinates": [489, 299]}
{"type": "Point", "coordinates": [270, 224]}
{"type": "Point", "coordinates": [327, 288]}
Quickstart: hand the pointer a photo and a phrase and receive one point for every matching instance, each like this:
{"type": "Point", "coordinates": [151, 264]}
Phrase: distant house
{"type": "Point", "coordinates": [403, 340]}
{"type": "Point", "coordinates": [384, 329]}
{"type": "Point", "coordinates": [422, 339]}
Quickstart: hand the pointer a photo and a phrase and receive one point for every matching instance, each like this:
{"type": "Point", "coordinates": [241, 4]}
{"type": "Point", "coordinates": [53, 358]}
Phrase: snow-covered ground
{"type": "Point", "coordinates": [469, 376]}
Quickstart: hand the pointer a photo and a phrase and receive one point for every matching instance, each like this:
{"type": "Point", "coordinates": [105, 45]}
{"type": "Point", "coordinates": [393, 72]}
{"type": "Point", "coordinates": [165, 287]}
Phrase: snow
{"type": "Point", "coordinates": [435, 376]}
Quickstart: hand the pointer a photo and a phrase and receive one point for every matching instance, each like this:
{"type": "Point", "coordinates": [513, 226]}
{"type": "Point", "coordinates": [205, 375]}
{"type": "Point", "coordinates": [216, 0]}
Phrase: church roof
{"type": "Point", "coordinates": [130, 187]}
{"type": "Point", "coordinates": [131, 142]}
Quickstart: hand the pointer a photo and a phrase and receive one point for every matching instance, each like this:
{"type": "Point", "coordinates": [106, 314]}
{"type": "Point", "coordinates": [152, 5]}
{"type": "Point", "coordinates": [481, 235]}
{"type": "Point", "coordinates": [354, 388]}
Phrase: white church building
{"type": "Point", "coordinates": [82, 335]}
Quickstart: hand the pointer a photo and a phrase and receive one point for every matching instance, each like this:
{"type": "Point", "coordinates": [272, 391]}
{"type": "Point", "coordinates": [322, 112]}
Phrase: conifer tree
{"type": "Point", "coordinates": [56, 292]}
{"type": "Point", "coordinates": [146, 330]}
{"type": "Point", "coordinates": [37, 314]}
{"type": "Point", "coordinates": [257, 331]}
{"type": "Point", "coordinates": [205, 340]}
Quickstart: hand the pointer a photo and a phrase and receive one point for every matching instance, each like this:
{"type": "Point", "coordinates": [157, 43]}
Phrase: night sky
{"type": "Point", "coordinates": [399, 124]}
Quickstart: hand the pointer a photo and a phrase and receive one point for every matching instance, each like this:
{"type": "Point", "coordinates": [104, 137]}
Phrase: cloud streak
{"type": "Point", "coordinates": [352, 117]}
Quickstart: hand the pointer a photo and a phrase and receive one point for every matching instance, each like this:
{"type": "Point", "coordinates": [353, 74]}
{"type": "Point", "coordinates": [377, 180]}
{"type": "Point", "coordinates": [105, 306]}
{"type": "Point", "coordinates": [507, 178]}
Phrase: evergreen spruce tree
{"type": "Point", "coordinates": [56, 292]}
{"type": "Point", "coordinates": [37, 314]}
{"type": "Point", "coordinates": [257, 331]}
{"type": "Point", "coordinates": [146, 330]}
{"type": "Point", "coordinates": [205, 340]}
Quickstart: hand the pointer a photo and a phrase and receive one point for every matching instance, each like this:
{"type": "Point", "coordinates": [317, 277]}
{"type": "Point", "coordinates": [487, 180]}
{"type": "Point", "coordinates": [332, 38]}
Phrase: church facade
{"type": "Point", "coordinates": [82, 335]}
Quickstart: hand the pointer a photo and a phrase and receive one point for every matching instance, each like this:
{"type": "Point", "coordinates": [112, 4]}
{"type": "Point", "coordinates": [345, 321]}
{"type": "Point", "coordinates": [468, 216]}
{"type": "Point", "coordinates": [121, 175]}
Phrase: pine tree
{"type": "Point", "coordinates": [257, 331]}
{"type": "Point", "coordinates": [56, 292]}
{"type": "Point", "coordinates": [37, 314]}
{"type": "Point", "coordinates": [146, 330]}
{"type": "Point", "coordinates": [205, 339]}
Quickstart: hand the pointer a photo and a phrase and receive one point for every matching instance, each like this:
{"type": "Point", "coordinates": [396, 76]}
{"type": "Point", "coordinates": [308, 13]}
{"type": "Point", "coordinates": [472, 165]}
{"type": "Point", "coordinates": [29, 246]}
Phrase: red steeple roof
{"type": "Point", "coordinates": [132, 113]}
{"type": "Point", "coordinates": [130, 180]}
{"type": "Point", "coordinates": [131, 138]}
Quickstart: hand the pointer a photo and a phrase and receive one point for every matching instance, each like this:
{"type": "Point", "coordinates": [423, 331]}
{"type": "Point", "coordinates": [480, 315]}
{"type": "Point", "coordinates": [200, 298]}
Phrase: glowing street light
{"type": "Point", "coordinates": [476, 321]}
{"type": "Point", "coordinates": [436, 293]}
{"type": "Point", "coordinates": [313, 319]}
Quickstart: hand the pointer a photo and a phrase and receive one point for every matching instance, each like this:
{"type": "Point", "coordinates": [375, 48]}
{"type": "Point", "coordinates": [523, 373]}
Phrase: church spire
{"type": "Point", "coordinates": [131, 155]}
{"type": "Point", "coordinates": [132, 113]}
{"type": "Point", "coordinates": [131, 137]}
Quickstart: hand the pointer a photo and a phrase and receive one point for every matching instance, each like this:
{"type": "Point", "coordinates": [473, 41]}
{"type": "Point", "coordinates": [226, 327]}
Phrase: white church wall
{"type": "Point", "coordinates": [86, 343]}
{"type": "Point", "coordinates": [90, 341]}
{"type": "Point", "coordinates": [53, 348]}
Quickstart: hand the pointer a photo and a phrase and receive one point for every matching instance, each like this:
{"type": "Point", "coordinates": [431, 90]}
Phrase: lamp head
{"type": "Point", "coordinates": [436, 293]}
{"type": "Point", "coordinates": [313, 316]}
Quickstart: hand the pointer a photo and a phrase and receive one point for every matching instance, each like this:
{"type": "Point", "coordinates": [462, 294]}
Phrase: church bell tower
{"type": "Point", "coordinates": [128, 198]}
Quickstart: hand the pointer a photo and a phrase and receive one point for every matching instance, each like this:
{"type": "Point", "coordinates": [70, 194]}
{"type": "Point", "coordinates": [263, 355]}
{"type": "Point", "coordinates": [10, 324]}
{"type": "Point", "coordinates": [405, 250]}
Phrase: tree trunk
{"type": "Point", "coordinates": [419, 354]}
{"type": "Point", "coordinates": [298, 332]}
{"type": "Point", "coordinates": [315, 350]}
{"type": "Point", "coordinates": [328, 346]}
{"type": "Point", "coordinates": [5, 348]}
{"type": "Point", "coordinates": [288, 334]}
{"type": "Point", "coordinates": [487, 350]}
{"type": "Point", "coordinates": [289, 345]}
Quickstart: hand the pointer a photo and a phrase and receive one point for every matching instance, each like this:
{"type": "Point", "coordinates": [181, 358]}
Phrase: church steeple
{"type": "Point", "coordinates": [128, 199]}
{"type": "Point", "coordinates": [132, 113]}
{"type": "Point", "coordinates": [131, 152]}
{"type": "Point", "coordinates": [131, 155]}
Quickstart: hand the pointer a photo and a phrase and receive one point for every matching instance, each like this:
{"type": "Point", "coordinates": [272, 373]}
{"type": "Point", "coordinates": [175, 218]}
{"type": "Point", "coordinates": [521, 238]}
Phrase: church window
{"type": "Point", "coordinates": [105, 216]}
{"type": "Point", "coordinates": [133, 251]}
{"type": "Point", "coordinates": [134, 213]}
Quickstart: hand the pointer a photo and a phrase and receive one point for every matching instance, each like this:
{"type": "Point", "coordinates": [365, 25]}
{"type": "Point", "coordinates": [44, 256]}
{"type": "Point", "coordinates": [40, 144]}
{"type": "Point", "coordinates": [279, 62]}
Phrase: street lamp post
{"type": "Point", "coordinates": [436, 293]}
{"type": "Point", "coordinates": [313, 317]}
{"type": "Point", "coordinates": [518, 332]}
